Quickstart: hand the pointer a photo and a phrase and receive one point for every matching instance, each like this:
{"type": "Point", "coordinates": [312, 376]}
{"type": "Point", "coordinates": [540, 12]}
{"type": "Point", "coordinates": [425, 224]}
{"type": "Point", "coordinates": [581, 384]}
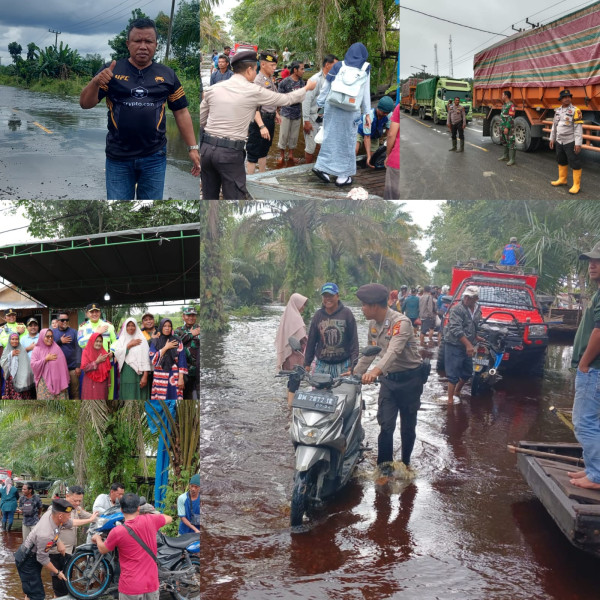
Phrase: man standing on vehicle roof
{"type": "Point", "coordinates": [512, 253]}
{"type": "Point", "coordinates": [332, 336]}
{"type": "Point", "coordinates": [507, 137]}
{"type": "Point", "coordinates": [567, 134]}
{"type": "Point", "coordinates": [460, 337]}
{"type": "Point", "coordinates": [586, 359]}
{"type": "Point", "coordinates": [400, 371]}
{"type": "Point", "coordinates": [457, 121]}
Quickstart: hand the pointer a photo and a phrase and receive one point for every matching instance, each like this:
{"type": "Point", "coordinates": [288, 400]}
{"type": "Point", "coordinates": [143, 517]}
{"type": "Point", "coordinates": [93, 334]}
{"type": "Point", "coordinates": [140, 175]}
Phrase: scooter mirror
{"type": "Point", "coordinates": [370, 350]}
{"type": "Point", "coordinates": [294, 344]}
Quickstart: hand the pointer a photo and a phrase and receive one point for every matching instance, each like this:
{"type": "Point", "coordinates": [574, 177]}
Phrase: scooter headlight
{"type": "Point", "coordinates": [309, 435]}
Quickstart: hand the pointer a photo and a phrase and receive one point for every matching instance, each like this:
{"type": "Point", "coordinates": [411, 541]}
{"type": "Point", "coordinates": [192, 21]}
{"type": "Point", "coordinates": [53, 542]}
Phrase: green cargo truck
{"type": "Point", "coordinates": [432, 96]}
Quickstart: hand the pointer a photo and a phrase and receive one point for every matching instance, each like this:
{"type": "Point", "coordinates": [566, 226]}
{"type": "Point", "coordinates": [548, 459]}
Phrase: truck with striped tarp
{"type": "Point", "coordinates": [535, 66]}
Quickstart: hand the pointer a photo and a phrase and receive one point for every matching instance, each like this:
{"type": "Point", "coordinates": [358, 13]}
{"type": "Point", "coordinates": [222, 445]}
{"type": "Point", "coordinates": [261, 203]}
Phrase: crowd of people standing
{"type": "Point", "coordinates": [94, 363]}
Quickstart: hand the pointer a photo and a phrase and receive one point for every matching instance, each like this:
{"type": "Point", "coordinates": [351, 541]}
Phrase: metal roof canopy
{"type": "Point", "coordinates": [140, 265]}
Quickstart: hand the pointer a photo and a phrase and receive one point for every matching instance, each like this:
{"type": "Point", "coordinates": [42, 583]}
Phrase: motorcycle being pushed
{"type": "Point", "coordinates": [91, 574]}
{"type": "Point", "coordinates": [489, 353]}
{"type": "Point", "coordinates": [326, 432]}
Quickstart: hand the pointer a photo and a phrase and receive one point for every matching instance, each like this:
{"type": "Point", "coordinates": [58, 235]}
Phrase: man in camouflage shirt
{"type": "Point", "coordinates": [507, 114]}
{"type": "Point", "coordinates": [567, 135]}
{"type": "Point", "coordinates": [189, 334]}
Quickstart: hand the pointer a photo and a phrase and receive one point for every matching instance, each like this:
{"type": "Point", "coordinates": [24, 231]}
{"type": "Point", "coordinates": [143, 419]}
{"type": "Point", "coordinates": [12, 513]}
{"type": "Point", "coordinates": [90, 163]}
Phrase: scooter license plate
{"type": "Point", "coordinates": [315, 401]}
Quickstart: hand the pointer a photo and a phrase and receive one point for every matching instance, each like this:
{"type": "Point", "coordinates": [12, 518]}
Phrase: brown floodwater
{"type": "Point", "coordinates": [466, 527]}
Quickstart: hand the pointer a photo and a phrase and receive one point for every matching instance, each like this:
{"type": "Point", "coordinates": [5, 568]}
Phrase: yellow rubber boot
{"type": "Point", "coordinates": [563, 171]}
{"type": "Point", "coordinates": [576, 182]}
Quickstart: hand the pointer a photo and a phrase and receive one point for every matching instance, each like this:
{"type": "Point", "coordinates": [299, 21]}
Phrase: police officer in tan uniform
{"type": "Point", "coordinates": [225, 114]}
{"type": "Point", "coordinates": [400, 371]}
{"type": "Point", "coordinates": [34, 553]}
{"type": "Point", "coordinates": [567, 135]}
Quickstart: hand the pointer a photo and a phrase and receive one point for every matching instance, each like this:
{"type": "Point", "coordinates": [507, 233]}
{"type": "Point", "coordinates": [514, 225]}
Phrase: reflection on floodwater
{"type": "Point", "coordinates": [467, 526]}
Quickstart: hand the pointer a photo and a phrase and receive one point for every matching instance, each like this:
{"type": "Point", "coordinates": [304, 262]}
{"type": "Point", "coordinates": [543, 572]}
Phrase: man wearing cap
{"type": "Point", "coordinates": [262, 128]}
{"type": "Point", "coordinates": [95, 324]}
{"type": "Point", "coordinates": [457, 122]}
{"type": "Point", "coordinates": [139, 572]}
{"type": "Point", "coordinates": [148, 327]}
{"type": "Point", "coordinates": [399, 370]}
{"type": "Point", "coordinates": [66, 338]}
{"type": "Point", "coordinates": [30, 337]}
{"type": "Point", "coordinates": [188, 508]}
{"type": "Point", "coordinates": [223, 73]}
{"type": "Point", "coordinates": [567, 136]}
{"type": "Point", "coordinates": [586, 359]}
{"type": "Point", "coordinates": [460, 336]}
{"type": "Point", "coordinates": [332, 337]}
{"type": "Point", "coordinates": [310, 109]}
{"type": "Point", "coordinates": [372, 134]}
{"type": "Point", "coordinates": [34, 552]}
{"type": "Point", "coordinates": [225, 115]}
{"type": "Point", "coordinates": [189, 334]}
{"type": "Point", "coordinates": [507, 136]}
{"type": "Point", "coordinates": [11, 326]}
{"type": "Point", "coordinates": [68, 537]}
{"type": "Point", "coordinates": [512, 254]}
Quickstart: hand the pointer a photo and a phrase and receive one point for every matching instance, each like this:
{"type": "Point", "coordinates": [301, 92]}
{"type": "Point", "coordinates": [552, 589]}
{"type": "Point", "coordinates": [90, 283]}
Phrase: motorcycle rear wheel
{"type": "Point", "coordinates": [186, 591]}
{"type": "Point", "coordinates": [81, 583]}
{"type": "Point", "coordinates": [304, 487]}
{"type": "Point", "coordinates": [477, 385]}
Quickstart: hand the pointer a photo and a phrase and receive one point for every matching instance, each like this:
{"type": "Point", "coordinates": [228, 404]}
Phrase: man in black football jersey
{"type": "Point", "coordinates": [137, 90]}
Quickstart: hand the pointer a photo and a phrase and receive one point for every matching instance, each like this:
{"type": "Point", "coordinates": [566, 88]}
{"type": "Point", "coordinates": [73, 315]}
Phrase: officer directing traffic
{"type": "Point", "coordinates": [400, 370]}
{"type": "Point", "coordinates": [226, 111]}
{"type": "Point", "coordinates": [567, 135]}
{"type": "Point", "coordinates": [34, 553]}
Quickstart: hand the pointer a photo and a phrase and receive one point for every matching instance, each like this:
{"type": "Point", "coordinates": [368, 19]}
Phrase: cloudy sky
{"type": "Point", "coordinates": [86, 25]}
{"type": "Point", "coordinates": [419, 33]}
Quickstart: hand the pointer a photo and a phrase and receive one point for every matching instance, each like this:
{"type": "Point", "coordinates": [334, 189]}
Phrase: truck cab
{"type": "Point", "coordinates": [508, 295]}
{"type": "Point", "coordinates": [433, 96]}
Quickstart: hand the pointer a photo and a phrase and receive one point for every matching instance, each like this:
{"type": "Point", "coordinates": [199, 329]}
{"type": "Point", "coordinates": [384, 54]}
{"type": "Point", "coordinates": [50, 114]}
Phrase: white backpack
{"type": "Point", "coordinates": [347, 87]}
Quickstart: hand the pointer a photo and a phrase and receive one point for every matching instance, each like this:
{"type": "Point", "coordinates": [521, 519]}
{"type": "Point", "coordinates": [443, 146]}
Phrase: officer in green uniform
{"type": "Point", "coordinates": [189, 334]}
{"type": "Point", "coordinates": [11, 326]}
{"type": "Point", "coordinates": [400, 371]}
{"type": "Point", "coordinates": [34, 553]}
{"type": "Point", "coordinates": [507, 114]}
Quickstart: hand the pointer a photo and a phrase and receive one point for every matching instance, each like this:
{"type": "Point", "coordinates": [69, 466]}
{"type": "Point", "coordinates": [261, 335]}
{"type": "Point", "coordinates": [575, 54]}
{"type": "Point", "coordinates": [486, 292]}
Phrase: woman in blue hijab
{"type": "Point", "coordinates": [337, 156]}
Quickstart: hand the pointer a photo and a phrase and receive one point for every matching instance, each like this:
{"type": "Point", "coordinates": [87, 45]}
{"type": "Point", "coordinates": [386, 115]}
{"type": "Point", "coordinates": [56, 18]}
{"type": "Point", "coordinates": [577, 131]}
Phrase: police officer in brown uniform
{"type": "Point", "coordinates": [34, 553]}
{"type": "Point", "coordinates": [225, 114]}
{"type": "Point", "coordinates": [400, 370]}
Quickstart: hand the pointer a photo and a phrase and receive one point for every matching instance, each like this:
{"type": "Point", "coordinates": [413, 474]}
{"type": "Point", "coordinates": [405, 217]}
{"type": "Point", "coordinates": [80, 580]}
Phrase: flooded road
{"type": "Point", "coordinates": [467, 527]}
{"type": "Point", "coordinates": [50, 148]}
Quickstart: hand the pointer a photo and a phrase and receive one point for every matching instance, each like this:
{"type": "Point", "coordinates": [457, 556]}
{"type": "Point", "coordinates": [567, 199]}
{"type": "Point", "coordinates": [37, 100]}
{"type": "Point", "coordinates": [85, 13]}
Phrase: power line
{"type": "Point", "coordinates": [453, 22]}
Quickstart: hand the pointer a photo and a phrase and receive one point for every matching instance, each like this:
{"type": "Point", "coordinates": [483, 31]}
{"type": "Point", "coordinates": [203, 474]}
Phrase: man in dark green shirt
{"type": "Point", "coordinates": [586, 358]}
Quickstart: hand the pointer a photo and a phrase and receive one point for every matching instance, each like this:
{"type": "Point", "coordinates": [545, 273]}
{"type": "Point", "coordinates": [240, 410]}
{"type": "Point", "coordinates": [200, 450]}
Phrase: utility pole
{"type": "Point", "coordinates": [170, 30]}
{"type": "Point", "coordinates": [55, 37]}
{"type": "Point", "coordinates": [437, 66]}
{"type": "Point", "coordinates": [451, 65]}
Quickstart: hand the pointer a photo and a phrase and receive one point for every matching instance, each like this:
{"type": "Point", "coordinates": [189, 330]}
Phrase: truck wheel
{"type": "Point", "coordinates": [496, 129]}
{"type": "Point", "coordinates": [436, 117]}
{"type": "Point", "coordinates": [537, 367]}
{"type": "Point", "coordinates": [522, 131]}
{"type": "Point", "coordinates": [422, 114]}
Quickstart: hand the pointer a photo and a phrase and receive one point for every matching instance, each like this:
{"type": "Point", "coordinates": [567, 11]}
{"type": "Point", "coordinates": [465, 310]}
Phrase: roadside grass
{"type": "Point", "coordinates": [72, 87]}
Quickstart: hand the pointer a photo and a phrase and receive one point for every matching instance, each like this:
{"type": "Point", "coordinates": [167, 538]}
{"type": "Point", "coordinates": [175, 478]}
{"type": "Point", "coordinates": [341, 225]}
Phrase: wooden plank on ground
{"type": "Point", "coordinates": [574, 493]}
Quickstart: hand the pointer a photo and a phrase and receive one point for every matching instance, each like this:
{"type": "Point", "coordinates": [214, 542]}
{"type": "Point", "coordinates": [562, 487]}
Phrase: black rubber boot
{"type": "Point", "coordinates": [453, 149]}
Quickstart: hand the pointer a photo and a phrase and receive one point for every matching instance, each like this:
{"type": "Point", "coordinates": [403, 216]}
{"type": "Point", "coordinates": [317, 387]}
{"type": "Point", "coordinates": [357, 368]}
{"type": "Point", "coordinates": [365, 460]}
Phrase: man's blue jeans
{"type": "Point", "coordinates": [586, 419]}
{"type": "Point", "coordinates": [147, 172]}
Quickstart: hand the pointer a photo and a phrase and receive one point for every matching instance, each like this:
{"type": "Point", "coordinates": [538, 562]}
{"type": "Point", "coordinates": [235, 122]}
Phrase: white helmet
{"type": "Point", "coordinates": [445, 289]}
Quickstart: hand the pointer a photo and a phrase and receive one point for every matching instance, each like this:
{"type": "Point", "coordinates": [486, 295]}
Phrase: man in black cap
{"type": "Point", "coordinates": [225, 114]}
{"type": "Point", "coordinates": [586, 359]}
{"type": "Point", "coordinates": [262, 129]}
{"type": "Point", "coordinates": [567, 135]}
{"type": "Point", "coordinates": [400, 370]}
{"type": "Point", "coordinates": [34, 553]}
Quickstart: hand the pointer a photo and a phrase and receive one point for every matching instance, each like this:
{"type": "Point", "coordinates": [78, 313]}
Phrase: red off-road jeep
{"type": "Point", "coordinates": [507, 292]}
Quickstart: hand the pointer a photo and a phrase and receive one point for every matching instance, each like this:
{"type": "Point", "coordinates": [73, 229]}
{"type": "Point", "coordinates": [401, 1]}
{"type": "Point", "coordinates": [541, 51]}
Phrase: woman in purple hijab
{"type": "Point", "coordinates": [337, 156]}
{"type": "Point", "coordinates": [49, 368]}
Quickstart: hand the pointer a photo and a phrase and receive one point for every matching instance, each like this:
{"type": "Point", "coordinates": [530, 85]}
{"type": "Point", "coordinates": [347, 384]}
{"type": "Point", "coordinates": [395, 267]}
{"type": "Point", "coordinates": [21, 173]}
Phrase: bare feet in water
{"type": "Point", "coordinates": [584, 482]}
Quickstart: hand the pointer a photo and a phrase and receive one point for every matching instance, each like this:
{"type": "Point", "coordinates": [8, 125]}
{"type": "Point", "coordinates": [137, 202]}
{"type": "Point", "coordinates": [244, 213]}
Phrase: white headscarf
{"type": "Point", "coordinates": [291, 325]}
{"type": "Point", "coordinates": [138, 357]}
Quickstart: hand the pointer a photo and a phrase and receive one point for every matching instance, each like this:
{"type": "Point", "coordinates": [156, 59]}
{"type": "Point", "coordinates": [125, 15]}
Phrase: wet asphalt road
{"type": "Point", "coordinates": [50, 148]}
{"type": "Point", "coordinates": [429, 171]}
{"type": "Point", "coordinates": [468, 527]}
